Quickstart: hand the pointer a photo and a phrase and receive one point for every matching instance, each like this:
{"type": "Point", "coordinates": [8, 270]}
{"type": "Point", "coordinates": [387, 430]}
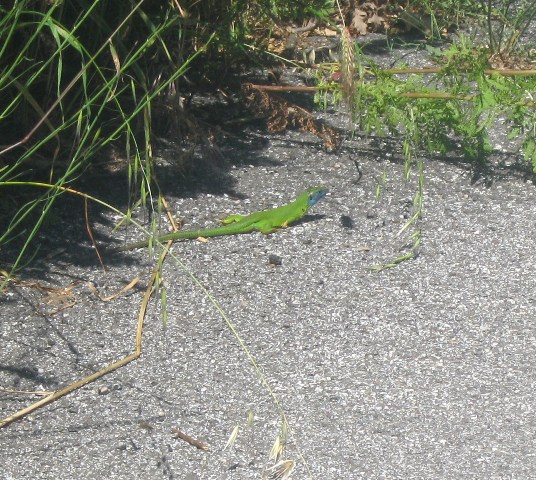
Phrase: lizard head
{"type": "Point", "coordinates": [314, 194]}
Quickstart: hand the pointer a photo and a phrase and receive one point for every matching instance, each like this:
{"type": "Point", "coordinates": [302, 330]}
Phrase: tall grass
{"type": "Point", "coordinates": [73, 81]}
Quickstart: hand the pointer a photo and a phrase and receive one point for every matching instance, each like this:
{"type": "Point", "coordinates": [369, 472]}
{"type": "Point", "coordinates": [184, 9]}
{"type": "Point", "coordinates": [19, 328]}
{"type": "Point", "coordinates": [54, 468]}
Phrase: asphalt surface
{"type": "Point", "coordinates": [422, 371]}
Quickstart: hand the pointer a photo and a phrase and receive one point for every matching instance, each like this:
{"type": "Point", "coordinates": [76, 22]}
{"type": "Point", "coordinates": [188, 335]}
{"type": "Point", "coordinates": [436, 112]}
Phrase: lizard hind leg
{"type": "Point", "coordinates": [232, 219]}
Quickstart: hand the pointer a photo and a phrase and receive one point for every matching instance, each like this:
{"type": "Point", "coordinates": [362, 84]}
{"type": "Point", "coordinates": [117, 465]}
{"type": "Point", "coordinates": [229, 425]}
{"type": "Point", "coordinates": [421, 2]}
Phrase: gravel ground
{"type": "Point", "coordinates": [422, 371]}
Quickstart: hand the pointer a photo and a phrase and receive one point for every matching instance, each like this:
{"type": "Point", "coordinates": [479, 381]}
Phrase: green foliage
{"type": "Point", "coordinates": [435, 111]}
{"type": "Point", "coordinates": [458, 105]}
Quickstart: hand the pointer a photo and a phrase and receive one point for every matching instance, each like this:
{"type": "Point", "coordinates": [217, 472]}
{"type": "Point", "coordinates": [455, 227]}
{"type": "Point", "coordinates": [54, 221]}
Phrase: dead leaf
{"type": "Point", "coordinates": [376, 23]}
{"type": "Point", "coordinates": [329, 32]}
{"type": "Point", "coordinates": [359, 21]}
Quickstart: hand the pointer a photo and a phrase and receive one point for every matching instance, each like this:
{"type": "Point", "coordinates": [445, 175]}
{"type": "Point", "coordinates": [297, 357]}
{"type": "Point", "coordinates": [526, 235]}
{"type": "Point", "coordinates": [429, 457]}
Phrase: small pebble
{"type": "Point", "coordinates": [104, 390]}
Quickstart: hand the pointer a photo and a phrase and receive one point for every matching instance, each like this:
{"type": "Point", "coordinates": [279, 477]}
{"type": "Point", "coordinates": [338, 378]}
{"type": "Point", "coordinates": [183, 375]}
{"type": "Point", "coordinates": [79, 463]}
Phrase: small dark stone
{"type": "Point", "coordinates": [275, 260]}
{"type": "Point", "coordinates": [346, 222]}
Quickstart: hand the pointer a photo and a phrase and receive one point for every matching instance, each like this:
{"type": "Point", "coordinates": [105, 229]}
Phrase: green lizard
{"type": "Point", "coordinates": [266, 221]}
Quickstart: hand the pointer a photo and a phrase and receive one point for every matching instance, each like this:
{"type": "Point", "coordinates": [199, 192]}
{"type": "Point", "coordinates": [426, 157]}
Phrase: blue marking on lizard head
{"type": "Point", "coordinates": [314, 194]}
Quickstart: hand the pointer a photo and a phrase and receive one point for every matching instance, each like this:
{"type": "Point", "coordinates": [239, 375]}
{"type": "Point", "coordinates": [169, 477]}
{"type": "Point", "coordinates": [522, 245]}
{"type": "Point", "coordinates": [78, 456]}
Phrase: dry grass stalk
{"type": "Point", "coordinates": [348, 70]}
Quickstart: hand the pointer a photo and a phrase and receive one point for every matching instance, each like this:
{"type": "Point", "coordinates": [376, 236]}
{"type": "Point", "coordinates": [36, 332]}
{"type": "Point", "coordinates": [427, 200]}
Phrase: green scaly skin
{"type": "Point", "coordinates": [266, 221]}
